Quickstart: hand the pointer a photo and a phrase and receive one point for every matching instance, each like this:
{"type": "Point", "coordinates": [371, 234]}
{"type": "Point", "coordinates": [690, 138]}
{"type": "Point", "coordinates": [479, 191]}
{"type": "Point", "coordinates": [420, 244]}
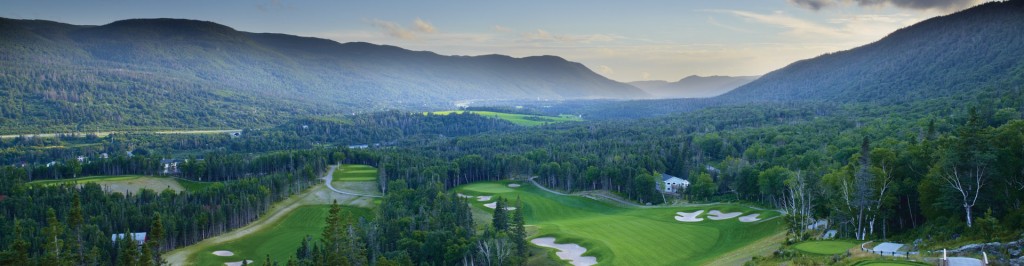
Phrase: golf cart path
{"type": "Point", "coordinates": [330, 176]}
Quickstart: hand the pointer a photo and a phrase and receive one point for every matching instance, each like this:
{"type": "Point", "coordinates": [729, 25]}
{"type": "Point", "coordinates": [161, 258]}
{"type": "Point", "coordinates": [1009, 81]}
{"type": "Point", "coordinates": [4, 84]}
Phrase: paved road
{"type": "Point", "coordinates": [330, 175]}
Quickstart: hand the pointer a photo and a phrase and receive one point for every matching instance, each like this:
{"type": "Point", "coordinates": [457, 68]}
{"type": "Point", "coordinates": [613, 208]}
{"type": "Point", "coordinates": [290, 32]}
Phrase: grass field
{"type": "Point", "coordinates": [280, 239]}
{"type": "Point", "coordinates": [825, 247]}
{"type": "Point", "coordinates": [889, 263]}
{"type": "Point", "coordinates": [131, 183]}
{"type": "Point", "coordinates": [355, 172]}
{"type": "Point", "coordinates": [619, 235]}
{"type": "Point", "coordinates": [520, 119]}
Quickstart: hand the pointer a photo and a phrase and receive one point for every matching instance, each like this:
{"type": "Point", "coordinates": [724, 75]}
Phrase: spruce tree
{"type": "Point", "coordinates": [519, 229]}
{"type": "Point", "coordinates": [500, 219]}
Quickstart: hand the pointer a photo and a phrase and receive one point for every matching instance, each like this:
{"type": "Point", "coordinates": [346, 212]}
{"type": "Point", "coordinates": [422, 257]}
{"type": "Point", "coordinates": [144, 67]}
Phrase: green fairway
{"type": "Point", "coordinates": [520, 119]}
{"type": "Point", "coordinates": [825, 247]}
{"type": "Point", "coordinates": [630, 236]}
{"type": "Point", "coordinates": [281, 239]}
{"type": "Point", "coordinates": [888, 263]}
{"type": "Point", "coordinates": [131, 183]}
{"type": "Point", "coordinates": [355, 172]}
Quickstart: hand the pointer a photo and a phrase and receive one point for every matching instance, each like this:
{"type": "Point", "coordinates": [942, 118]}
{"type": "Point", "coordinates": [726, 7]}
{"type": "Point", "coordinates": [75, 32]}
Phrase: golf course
{"type": "Point", "coordinates": [519, 119]}
{"type": "Point", "coordinates": [825, 247]}
{"type": "Point", "coordinates": [620, 235]}
{"type": "Point", "coordinates": [131, 183]}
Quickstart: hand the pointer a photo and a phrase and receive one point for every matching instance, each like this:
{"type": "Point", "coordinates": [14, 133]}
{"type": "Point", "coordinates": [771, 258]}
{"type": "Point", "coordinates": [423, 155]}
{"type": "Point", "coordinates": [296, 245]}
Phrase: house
{"type": "Point", "coordinates": [82, 159]}
{"type": "Point", "coordinates": [139, 238]}
{"type": "Point", "coordinates": [358, 146]}
{"type": "Point", "coordinates": [671, 184]}
{"type": "Point", "coordinates": [104, 155]}
{"type": "Point", "coordinates": [170, 166]}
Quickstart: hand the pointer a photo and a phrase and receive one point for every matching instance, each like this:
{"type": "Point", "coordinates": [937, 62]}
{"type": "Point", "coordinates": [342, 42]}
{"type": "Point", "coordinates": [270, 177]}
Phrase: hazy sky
{"type": "Point", "coordinates": [623, 40]}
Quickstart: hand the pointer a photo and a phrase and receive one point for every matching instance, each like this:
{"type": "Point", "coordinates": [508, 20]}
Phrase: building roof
{"type": "Point", "coordinates": [665, 177]}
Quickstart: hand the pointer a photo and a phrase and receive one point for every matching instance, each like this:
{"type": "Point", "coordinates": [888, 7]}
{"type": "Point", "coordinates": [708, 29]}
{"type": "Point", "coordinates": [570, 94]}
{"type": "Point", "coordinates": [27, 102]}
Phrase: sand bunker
{"type": "Point", "coordinates": [689, 217]}
{"type": "Point", "coordinates": [717, 215]}
{"type": "Point", "coordinates": [493, 205]}
{"type": "Point", "coordinates": [238, 263]}
{"type": "Point", "coordinates": [464, 196]}
{"type": "Point", "coordinates": [483, 198]}
{"type": "Point", "coordinates": [750, 218]}
{"type": "Point", "coordinates": [571, 252]}
{"type": "Point", "coordinates": [223, 253]}
{"type": "Point", "coordinates": [513, 185]}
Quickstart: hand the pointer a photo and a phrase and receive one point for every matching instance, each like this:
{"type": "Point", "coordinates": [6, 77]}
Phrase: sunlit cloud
{"type": "Point", "coordinates": [543, 35]}
{"type": "Point", "coordinates": [605, 70]}
{"type": "Point", "coordinates": [424, 26]}
{"type": "Point", "coordinates": [945, 5]}
{"type": "Point", "coordinates": [396, 30]}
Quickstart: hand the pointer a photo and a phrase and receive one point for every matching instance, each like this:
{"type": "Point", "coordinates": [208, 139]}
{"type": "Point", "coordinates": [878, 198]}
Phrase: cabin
{"type": "Point", "coordinates": [139, 238]}
{"type": "Point", "coordinates": [672, 184]}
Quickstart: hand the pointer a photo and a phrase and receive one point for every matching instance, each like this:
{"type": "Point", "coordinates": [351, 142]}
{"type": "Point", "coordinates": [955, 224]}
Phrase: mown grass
{"type": "Point", "coordinates": [888, 263]}
{"type": "Point", "coordinates": [355, 172]}
{"type": "Point", "coordinates": [520, 119]}
{"type": "Point", "coordinates": [825, 247]}
{"type": "Point", "coordinates": [281, 239]}
{"type": "Point", "coordinates": [630, 236]}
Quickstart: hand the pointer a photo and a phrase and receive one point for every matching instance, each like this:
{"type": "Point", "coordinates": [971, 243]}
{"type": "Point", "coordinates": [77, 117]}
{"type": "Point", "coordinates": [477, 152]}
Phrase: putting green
{"type": "Point", "coordinates": [519, 119]}
{"type": "Point", "coordinates": [631, 236]}
{"type": "Point", "coordinates": [281, 239]}
{"type": "Point", "coordinates": [825, 247]}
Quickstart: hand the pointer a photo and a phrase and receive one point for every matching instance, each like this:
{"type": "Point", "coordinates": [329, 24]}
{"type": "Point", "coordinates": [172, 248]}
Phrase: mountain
{"type": "Point", "coordinates": [692, 86]}
{"type": "Point", "coordinates": [977, 51]}
{"type": "Point", "coordinates": [187, 73]}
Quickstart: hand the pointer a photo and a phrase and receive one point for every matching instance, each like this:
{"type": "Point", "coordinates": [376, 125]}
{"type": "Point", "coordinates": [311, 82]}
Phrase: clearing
{"type": "Point", "coordinates": [518, 119]}
{"type": "Point", "coordinates": [130, 183]}
{"type": "Point", "coordinates": [622, 235]}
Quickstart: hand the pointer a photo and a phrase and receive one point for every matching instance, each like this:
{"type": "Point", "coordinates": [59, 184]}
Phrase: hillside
{"type": "Point", "coordinates": [975, 52]}
{"type": "Point", "coordinates": [186, 73]}
{"type": "Point", "coordinates": [692, 86]}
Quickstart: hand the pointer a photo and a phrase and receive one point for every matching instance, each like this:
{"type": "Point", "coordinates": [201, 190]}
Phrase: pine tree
{"type": "Point", "coordinates": [156, 237]}
{"type": "Point", "coordinates": [75, 220]}
{"type": "Point", "coordinates": [17, 253]}
{"type": "Point", "coordinates": [53, 232]}
{"type": "Point", "coordinates": [519, 229]}
{"type": "Point", "coordinates": [500, 220]}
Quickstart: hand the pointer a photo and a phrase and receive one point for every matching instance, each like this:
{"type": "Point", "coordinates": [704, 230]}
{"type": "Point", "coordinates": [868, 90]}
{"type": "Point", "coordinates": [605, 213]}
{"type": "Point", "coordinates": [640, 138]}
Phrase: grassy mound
{"type": "Point", "coordinates": [825, 247]}
{"type": "Point", "coordinates": [281, 239]}
{"type": "Point", "coordinates": [520, 119]}
{"type": "Point", "coordinates": [631, 236]}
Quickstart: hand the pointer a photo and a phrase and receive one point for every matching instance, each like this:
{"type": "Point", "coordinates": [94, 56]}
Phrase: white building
{"type": "Point", "coordinates": [671, 184]}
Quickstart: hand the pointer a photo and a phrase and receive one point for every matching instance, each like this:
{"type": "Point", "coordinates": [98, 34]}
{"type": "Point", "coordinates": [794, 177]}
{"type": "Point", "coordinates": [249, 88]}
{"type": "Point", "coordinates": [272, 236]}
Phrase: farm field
{"type": "Point", "coordinates": [619, 235]}
{"type": "Point", "coordinates": [280, 239]}
{"type": "Point", "coordinates": [519, 119]}
{"type": "Point", "coordinates": [130, 183]}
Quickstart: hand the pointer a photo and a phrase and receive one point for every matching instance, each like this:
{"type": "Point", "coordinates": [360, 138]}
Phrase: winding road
{"type": "Point", "coordinates": [330, 176]}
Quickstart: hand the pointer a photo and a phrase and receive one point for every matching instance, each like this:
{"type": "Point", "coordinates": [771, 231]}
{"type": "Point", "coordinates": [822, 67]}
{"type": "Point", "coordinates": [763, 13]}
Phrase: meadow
{"type": "Point", "coordinates": [131, 183]}
{"type": "Point", "coordinates": [519, 119]}
{"type": "Point", "coordinates": [619, 235]}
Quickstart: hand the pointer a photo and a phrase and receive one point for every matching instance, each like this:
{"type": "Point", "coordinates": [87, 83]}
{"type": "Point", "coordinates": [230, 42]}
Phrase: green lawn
{"type": "Point", "coordinates": [825, 247]}
{"type": "Point", "coordinates": [631, 236]}
{"type": "Point", "coordinates": [889, 263]}
{"type": "Point", "coordinates": [520, 119]}
{"type": "Point", "coordinates": [281, 239]}
{"type": "Point", "coordinates": [355, 172]}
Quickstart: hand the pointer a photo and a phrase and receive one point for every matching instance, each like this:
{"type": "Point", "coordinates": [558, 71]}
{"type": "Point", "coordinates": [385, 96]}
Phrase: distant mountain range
{"type": "Point", "coordinates": [974, 52]}
{"type": "Point", "coordinates": [692, 86]}
{"type": "Point", "coordinates": [181, 73]}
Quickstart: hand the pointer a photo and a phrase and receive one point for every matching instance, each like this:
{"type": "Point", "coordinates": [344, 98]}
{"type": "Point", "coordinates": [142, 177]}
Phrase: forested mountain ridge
{"type": "Point", "coordinates": [693, 86]}
{"type": "Point", "coordinates": [971, 51]}
{"type": "Point", "coordinates": [186, 73]}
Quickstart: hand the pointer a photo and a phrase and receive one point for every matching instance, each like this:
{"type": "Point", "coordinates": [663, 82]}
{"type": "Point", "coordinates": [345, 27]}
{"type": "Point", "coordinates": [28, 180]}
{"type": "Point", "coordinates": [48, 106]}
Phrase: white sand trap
{"type": "Point", "coordinates": [571, 252]}
{"type": "Point", "coordinates": [465, 196]}
{"type": "Point", "coordinates": [717, 215]}
{"type": "Point", "coordinates": [750, 218]}
{"type": "Point", "coordinates": [493, 205]}
{"type": "Point", "coordinates": [483, 198]}
{"type": "Point", "coordinates": [223, 253]}
{"type": "Point", "coordinates": [238, 263]}
{"type": "Point", "coordinates": [689, 217]}
{"type": "Point", "coordinates": [513, 185]}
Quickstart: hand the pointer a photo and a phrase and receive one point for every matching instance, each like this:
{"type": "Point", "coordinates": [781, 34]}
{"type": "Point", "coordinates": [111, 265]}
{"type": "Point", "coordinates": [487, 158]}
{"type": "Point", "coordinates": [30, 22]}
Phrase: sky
{"type": "Point", "coordinates": [622, 40]}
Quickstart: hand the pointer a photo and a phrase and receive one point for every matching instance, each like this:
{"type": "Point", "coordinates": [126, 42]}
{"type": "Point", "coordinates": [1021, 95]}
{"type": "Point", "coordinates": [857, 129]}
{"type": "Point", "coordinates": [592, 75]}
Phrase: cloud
{"type": "Point", "coordinates": [500, 28]}
{"type": "Point", "coordinates": [908, 4]}
{"type": "Point", "coordinates": [796, 27]}
{"type": "Point", "coordinates": [605, 70]}
{"type": "Point", "coordinates": [398, 31]}
{"type": "Point", "coordinates": [542, 35]}
{"type": "Point", "coordinates": [645, 76]}
{"type": "Point", "coordinates": [424, 26]}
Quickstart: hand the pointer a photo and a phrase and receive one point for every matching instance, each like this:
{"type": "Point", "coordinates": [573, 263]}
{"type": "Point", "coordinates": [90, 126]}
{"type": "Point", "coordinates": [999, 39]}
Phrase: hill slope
{"type": "Point", "coordinates": [186, 73]}
{"type": "Point", "coordinates": [692, 86]}
{"type": "Point", "coordinates": [977, 50]}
